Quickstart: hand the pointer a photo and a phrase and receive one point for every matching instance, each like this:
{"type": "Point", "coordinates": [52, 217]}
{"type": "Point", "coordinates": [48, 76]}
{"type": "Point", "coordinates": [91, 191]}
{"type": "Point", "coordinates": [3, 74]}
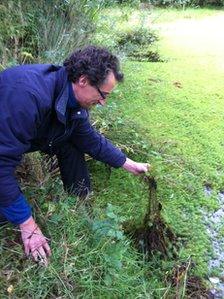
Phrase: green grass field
{"type": "Point", "coordinates": [169, 114]}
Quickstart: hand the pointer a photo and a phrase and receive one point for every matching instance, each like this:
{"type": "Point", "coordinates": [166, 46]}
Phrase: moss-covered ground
{"type": "Point", "coordinates": [169, 114]}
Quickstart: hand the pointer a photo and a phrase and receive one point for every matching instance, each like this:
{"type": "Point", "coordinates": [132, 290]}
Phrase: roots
{"type": "Point", "coordinates": [153, 235]}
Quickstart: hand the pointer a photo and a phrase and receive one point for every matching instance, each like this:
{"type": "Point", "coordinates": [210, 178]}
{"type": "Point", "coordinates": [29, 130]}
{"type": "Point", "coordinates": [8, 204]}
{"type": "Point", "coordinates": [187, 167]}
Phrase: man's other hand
{"type": "Point", "coordinates": [35, 243]}
{"type": "Point", "coordinates": [135, 167]}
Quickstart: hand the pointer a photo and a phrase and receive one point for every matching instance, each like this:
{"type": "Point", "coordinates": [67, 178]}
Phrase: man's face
{"type": "Point", "coordinates": [88, 95]}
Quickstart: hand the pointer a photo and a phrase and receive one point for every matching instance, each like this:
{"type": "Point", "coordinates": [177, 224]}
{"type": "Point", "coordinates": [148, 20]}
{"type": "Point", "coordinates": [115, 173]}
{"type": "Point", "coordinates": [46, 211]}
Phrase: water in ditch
{"type": "Point", "coordinates": [214, 222]}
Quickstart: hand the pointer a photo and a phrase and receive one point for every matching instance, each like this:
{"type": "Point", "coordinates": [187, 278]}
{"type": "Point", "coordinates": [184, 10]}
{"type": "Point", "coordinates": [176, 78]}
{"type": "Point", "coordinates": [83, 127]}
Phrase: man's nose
{"type": "Point", "coordinates": [102, 102]}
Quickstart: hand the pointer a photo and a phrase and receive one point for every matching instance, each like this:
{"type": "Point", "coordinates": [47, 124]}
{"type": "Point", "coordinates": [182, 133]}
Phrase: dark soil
{"type": "Point", "coordinates": [193, 286]}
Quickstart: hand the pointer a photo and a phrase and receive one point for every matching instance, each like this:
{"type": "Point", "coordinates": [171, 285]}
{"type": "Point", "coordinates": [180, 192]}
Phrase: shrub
{"type": "Point", "coordinates": [146, 55]}
{"type": "Point", "coordinates": [139, 36]}
{"type": "Point", "coordinates": [137, 44]}
{"type": "Point", "coordinates": [45, 30]}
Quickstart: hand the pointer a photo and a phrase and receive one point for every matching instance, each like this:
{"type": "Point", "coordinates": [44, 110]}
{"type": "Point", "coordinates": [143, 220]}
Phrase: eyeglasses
{"type": "Point", "coordinates": [102, 93]}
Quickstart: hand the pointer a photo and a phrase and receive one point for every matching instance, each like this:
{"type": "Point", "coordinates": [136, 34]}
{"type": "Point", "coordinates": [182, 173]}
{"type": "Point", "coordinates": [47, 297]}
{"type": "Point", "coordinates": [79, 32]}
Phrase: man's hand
{"type": "Point", "coordinates": [34, 241]}
{"type": "Point", "coordinates": [135, 167]}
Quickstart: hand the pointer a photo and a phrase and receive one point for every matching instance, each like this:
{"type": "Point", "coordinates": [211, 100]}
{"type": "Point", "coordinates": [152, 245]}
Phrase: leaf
{"type": "Point", "coordinates": [108, 280]}
{"type": "Point", "coordinates": [111, 215]}
{"type": "Point", "coordinates": [119, 235]}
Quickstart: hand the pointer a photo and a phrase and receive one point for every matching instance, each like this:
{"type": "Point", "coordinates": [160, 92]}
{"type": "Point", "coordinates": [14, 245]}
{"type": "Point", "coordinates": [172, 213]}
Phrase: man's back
{"type": "Point", "coordinates": [26, 95]}
{"type": "Point", "coordinates": [37, 78]}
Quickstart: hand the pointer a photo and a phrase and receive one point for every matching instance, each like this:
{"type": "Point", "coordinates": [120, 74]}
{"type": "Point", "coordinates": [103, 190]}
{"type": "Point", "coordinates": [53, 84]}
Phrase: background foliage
{"type": "Point", "coordinates": [45, 30]}
{"type": "Point", "coordinates": [157, 115]}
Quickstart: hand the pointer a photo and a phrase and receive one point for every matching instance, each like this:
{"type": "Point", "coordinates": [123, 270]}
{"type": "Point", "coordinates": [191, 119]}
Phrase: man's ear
{"type": "Point", "coordinates": [83, 81]}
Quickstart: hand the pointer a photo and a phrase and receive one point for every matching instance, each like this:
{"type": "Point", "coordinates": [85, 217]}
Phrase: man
{"type": "Point", "coordinates": [45, 108]}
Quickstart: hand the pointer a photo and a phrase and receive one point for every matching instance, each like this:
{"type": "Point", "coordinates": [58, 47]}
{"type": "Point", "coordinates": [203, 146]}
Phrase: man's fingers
{"type": "Point", "coordinates": [39, 256]}
{"type": "Point", "coordinates": [146, 167]}
{"type": "Point", "coordinates": [35, 255]}
{"type": "Point", "coordinates": [41, 253]}
{"type": "Point", "coordinates": [47, 248]}
{"type": "Point", "coordinates": [27, 248]}
{"type": "Point", "coordinates": [42, 258]}
{"type": "Point", "coordinates": [143, 168]}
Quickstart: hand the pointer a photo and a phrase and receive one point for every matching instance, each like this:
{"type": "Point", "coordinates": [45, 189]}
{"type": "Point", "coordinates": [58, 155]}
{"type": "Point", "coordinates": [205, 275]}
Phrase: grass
{"type": "Point", "coordinates": [169, 114]}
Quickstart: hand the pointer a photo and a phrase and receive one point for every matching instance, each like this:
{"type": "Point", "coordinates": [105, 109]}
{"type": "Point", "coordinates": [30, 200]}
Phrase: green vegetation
{"type": "Point", "coordinates": [131, 36]}
{"type": "Point", "coordinates": [39, 31]}
{"type": "Point", "coordinates": [167, 113]}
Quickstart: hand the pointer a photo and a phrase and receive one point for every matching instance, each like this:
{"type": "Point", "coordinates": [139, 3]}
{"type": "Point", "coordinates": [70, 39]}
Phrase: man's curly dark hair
{"type": "Point", "coordinates": [95, 63]}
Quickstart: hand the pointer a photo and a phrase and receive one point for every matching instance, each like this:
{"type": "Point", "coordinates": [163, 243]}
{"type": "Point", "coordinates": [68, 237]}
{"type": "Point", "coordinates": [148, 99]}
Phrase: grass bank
{"type": "Point", "coordinates": [169, 114]}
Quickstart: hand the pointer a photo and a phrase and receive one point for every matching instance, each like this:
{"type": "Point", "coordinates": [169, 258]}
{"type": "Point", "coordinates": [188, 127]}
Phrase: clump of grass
{"type": "Point", "coordinates": [91, 257]}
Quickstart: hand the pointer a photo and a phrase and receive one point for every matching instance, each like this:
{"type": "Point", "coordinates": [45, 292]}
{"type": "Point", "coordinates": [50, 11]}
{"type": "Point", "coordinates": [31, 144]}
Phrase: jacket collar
{"type": "Point", "coordinates": [61, 94]}
{"type": "Point", "coordinates": [72, 101]}
{"type": "Point", "coordinates": [62, 97]}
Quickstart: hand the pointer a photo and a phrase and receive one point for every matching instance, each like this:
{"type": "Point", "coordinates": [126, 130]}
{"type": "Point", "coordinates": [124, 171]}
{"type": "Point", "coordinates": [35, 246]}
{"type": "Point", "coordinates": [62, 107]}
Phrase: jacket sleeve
{"type": "Point", "coordinates": [18, 119]}
{"type": "Point", "coordinates": [89, 141]}
{"type": "Point", "coordinates": [18, 212]}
